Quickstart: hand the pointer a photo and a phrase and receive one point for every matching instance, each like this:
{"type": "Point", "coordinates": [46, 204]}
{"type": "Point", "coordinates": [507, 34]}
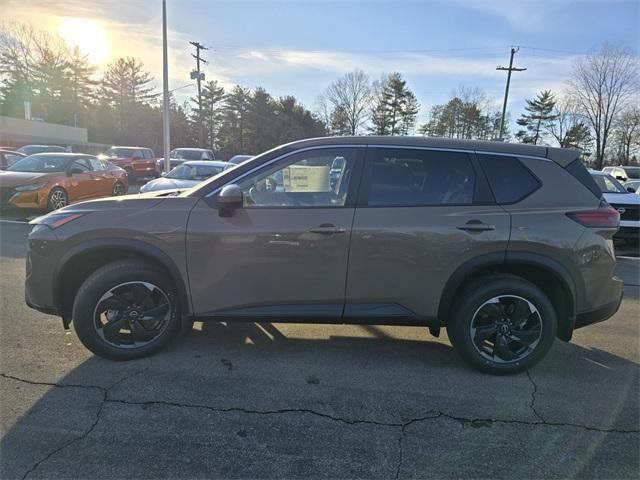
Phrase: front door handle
{"type": "Point", "coordinates": [476, 226]}
{"type": "Point", "coordinates": [327, 229]}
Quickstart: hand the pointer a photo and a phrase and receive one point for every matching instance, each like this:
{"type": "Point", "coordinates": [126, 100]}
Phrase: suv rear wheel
{"type": "Point", "coordinates": [127, 309]}
{"type": "Point", "coordinates": [502, 324]}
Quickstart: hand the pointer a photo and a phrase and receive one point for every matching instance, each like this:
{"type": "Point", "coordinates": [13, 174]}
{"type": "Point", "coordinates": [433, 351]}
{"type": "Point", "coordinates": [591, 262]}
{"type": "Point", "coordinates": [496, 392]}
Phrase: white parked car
{"type": "Point", "coordinates": [627, 204]}
{"type": "Point", "coordinates": [632, 185]}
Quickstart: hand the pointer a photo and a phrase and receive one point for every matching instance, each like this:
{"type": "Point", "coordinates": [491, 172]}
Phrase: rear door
{"type": "Point", "coordinates": [80, 184]}
{"type": "Point", "coordinates": [421, 214]}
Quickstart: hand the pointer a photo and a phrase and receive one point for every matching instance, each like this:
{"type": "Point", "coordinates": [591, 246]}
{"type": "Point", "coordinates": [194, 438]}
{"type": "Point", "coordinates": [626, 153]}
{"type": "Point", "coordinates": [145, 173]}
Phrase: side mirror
{"type": "Point", "coordinates": [631, 190]}
{"type": "Point", "coordinates": [163, 174]}
{"type": "Point", "coordinates": [622, 179]}
{"type": "Point", "coordinates": [71, 171]}
{"type": "Point", "coordinates": [230, 197]}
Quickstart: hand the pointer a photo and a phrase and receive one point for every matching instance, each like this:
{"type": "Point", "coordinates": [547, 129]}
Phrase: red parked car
{"type": "Point", "coordinates": [139, 162]}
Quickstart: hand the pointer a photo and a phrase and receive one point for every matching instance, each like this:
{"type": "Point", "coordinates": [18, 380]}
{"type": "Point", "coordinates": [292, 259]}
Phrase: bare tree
{"type": "Point", "coordinates": [351, 96]}
{"type": "Point", "coordinates": [600, 86]}
{"type": "Point", "coordinates": [627, 134]}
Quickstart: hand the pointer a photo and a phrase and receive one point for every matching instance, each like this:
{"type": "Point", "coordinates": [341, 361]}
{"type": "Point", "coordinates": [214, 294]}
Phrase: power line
{"type": "Point", "coordinates": [509, 69]}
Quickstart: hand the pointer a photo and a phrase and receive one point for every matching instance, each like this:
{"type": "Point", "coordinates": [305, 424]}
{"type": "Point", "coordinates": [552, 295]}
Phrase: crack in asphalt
{"type": "Point", "coordinates": [403, 425]}
{"type": "Point", "coordinates": [105, 392]}
{"type": "Point", "coordinates": [533, 398]}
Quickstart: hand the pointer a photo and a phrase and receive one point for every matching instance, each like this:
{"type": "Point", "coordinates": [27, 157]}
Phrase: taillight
{"type": "Point", "coordinates": [604, 217]}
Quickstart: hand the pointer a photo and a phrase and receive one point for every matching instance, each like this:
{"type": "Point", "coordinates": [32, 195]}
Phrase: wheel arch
{"type": "Point", "coordinates": [81, 260]}
{"type": "Point", "coordinates": [546, 273]}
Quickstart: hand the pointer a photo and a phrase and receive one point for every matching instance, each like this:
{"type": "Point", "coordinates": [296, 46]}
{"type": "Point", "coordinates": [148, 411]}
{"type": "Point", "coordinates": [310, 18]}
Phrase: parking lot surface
{"type": "Point", "coordinates": [292, 401]}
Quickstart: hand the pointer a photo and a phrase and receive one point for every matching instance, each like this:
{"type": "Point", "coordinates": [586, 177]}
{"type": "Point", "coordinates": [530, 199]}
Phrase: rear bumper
{"type": "Point", "coordinates": [603, 312]}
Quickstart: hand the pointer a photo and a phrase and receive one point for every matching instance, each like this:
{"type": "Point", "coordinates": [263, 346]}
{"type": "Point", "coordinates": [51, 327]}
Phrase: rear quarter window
{"type": "Point", "coordinates": [509, 179]}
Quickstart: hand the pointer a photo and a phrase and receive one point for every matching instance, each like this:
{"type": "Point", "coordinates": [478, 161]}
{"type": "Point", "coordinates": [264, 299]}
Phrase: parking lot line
{"type": "Point", "coordinates": [14, 221]}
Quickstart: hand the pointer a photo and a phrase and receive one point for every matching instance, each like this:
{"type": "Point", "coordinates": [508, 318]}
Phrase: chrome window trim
{"type": "Point", "coordinates": [399, 147]}
{"type": "Point", "coordinates": [460, 150]}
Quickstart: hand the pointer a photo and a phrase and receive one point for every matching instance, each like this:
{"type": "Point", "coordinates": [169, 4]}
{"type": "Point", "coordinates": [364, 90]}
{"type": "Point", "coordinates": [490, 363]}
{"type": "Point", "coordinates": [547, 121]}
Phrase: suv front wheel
{"type": "Point", "coordinates": [127, 309]}
{"type": "Point", "coordinates": [502, 324]}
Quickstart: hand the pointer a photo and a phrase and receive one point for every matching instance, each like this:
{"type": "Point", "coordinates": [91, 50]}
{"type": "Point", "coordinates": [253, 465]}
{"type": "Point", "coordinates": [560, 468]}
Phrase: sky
{"type": "Point", "coordinates": [299, 47]}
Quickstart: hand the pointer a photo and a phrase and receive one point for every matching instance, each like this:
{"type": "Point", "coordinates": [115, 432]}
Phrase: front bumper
{"type": "Point", "coordinates": [603, 312]}
{"type": "Point", "coordinates": [40, 267]}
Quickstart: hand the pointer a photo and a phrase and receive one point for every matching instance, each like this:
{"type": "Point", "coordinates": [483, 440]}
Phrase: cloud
{"type": "Point", "coordinates": [527, 15]}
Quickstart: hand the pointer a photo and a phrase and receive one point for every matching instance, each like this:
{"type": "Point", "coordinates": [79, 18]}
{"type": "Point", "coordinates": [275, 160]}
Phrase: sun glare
{"type": "Point", "coordinates": [87, 35]}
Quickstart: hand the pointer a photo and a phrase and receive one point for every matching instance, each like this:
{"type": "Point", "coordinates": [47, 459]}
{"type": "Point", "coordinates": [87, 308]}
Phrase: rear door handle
{"type": "Point", "coordinates": [476, 226]}
{"type": "Point", "coordinates": [327, 229]}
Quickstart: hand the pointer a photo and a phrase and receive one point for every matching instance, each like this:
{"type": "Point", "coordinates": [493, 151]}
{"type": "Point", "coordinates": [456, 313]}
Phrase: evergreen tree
{"type": "Point", "coordinates": [395, 107]}
{"type": "Point", "coordinates": [234, 129]}
{"type": "Point", "coordinates": [262, 121]}
{"type": "Point", "coordinates": [539, 115]}
{"type": "Point", "coordinates": [212, 106]}
{"type": "Point", "coordinates": [126, 88]}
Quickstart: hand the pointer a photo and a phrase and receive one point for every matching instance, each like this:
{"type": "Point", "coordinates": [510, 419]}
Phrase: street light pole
{"type": "Point", "coordinates": [165, 91]}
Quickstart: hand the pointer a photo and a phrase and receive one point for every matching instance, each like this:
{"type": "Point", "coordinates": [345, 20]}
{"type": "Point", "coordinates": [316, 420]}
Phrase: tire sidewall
{"type": "Point", "coordinates": [98, 284]}
{"type": "Point", "coordinates": [113, 189]}
{"type": "Point", "coordinates": [57, 189]}
{"type": "Point", "coordinates": [479, 293]}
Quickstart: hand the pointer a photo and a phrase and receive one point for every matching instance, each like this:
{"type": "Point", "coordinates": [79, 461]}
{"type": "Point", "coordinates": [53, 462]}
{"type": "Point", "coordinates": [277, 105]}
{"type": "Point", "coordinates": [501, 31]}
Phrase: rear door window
{"type": "Point", "coordinates": [406, 177]}
{"type": "Point", "coordinates": [509, 179]}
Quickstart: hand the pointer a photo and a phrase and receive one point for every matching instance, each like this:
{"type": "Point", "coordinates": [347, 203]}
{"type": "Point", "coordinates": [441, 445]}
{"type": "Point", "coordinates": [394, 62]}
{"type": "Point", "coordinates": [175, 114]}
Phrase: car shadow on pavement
{"type": "Point", "coordinates": [262, 400]}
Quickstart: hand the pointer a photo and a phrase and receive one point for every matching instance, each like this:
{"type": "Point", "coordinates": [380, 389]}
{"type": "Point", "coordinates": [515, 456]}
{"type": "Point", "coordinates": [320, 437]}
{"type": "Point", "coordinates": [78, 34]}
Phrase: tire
{"type": "Point", "coordinates": [130, 175]}
{"type": "Point", "coordinates": [118, 189]}
{"type": "Point", "coordinates": [120, 277]}
{"type": "Point", "coordinates": [58, 198]}
{"type": "Point", "coordinates": [521, 312]}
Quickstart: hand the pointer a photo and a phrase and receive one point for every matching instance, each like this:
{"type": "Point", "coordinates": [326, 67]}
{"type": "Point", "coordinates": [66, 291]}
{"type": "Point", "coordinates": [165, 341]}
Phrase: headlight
{"type": "Point", "coordinates": [30, 187]}
{"type": "Point", "coordinates": [55, 220]}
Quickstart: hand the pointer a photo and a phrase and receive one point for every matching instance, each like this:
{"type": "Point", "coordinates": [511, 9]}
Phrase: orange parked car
{"type": "Point", "coordinates": [48, 181]}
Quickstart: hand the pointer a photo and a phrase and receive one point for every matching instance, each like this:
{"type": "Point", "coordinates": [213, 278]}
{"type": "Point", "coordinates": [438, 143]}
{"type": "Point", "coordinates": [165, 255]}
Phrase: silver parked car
{"type": "Point", "coordinates": [185, 175]}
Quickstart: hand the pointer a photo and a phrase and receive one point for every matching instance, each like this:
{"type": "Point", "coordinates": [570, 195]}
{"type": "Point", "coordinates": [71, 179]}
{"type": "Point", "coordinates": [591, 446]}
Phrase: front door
{"type": "Point", "coordinates": [421, 215]}
{"type": "Point", "coordinates": [283, 253]}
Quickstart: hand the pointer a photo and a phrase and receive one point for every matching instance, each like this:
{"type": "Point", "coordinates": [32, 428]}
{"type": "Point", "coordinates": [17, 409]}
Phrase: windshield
{"type": "Point", "coordinates": [187, 154]}
{"type": "Point", "coordinates": [40, 164]}
{"type": "Point", "coordinates": [193, 172]}
{"type": "Point", "coordinates": [120, 152]}
{"type": "Point", "coordinates": [608, 184]}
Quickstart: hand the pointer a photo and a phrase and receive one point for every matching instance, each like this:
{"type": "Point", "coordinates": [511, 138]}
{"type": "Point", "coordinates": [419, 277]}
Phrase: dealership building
{"type": "Point", "coordinates": [15, 132]}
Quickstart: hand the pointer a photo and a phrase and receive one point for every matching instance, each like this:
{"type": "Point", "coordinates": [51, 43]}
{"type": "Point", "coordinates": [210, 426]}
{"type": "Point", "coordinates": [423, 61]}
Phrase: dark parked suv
{"type": "Point", "coordinates": [507, 246]}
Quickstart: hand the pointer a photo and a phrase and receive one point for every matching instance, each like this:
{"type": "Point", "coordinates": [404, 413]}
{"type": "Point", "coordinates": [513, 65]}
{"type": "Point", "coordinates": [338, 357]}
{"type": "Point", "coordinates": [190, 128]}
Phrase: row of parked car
{"type": "Point", "coordinates": [49, 177]}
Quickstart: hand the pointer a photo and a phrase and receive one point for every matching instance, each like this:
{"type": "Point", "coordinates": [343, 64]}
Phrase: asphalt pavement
{"type": "Point", "coordinates": [312, 401]}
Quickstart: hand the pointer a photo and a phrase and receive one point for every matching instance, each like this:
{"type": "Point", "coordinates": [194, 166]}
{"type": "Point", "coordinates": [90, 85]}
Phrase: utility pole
{"type": "Point", "coordinates": [165, 90]}
{"type": "Point", "coordinates": [199, 76]}
{"type": "Point", "coordinates": [506, 90]}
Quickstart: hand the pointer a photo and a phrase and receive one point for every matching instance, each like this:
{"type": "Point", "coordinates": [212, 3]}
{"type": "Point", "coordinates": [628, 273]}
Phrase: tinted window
{"type": "Point", "coordinates": [147, 153]}
{"type": "Point", "coordinates": [608, 184]}
{"type": "Point", "coordinates": [82, 164]}
{"type": "Point", "coordinates": [632, 172]}
{"type": "Point", "coordinates": [301, 180]}
{"type": "Point", "coordinates": [419, 177]}
{"type": "Point", "coordinates": [509, 179]}
{"type": "Point", "coordinates": [96, 164]}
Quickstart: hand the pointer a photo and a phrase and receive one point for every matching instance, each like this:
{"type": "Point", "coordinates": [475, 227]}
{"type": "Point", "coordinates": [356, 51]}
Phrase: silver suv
{"type": "Point", "coordinates": [507, 246]}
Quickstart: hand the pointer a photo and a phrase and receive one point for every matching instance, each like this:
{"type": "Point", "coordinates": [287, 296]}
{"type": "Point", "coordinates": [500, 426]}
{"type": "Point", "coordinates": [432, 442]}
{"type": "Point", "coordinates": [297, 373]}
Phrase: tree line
{"type": "Point", "coordinates": [597, 112]}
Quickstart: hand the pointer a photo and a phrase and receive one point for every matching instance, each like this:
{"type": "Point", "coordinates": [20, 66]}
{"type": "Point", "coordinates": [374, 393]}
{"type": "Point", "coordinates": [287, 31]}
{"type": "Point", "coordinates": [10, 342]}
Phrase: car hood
{"type": "Point", "coordinates": [166, 184]}
{"type": "Point", "coordinates": [622, 198]}
{"type": "Point", "coordinates": [13, 179]}
{"type": "Point", "coordinates": [124, 202]}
